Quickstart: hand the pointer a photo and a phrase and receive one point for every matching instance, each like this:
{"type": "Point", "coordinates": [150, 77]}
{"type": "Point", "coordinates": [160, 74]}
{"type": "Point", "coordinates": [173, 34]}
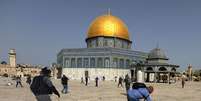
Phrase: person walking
{"type": "Point", "coordinates": [183, 78]}
{"type": "Point", "coordinates": [115, 78]}
{"type": "Point", "coordinates": [86, 81]}
{"type": "Point", "coordinates": [96, 80]}
{"type": "Point", "coordinates": [140, 91]}
{"type": "Point", "coordinates": [82, 80]}
{"type": "Point", "coordinates": [42, 86]}
{"type": "Point", "coordinates": [18, 81]}
{"type": "Point", "coordinates": [64, 82]}
{"type": "Point", "coordinates": [127, 81]}
{"type": "Point", "coordinates": [120, 81]}
{"type": "Point", "coordinates": [103, 78]}
{"type": "Point", "coordinates": [28, 79]}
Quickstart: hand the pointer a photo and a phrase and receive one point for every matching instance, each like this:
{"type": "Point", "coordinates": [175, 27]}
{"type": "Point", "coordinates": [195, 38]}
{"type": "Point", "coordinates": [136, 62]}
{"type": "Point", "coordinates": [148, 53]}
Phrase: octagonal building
{"type": "Point", "coordinates": [108, 52]}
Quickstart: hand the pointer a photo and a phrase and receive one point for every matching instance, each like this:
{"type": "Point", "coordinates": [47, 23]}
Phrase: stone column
{"type": "Point", "coordinates": [155, 74]}
{"type": "Point", "coordinates": [140, 76]}
{"type": "Point", "coordinates": [148, 77]}
{"type": "Point", "coordinates": [75, 62]}
{"type": "Point", "coordinates": [169, 77]}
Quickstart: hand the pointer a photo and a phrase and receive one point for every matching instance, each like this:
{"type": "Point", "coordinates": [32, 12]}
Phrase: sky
{"type": "Point", "coordinates": [39, 29]}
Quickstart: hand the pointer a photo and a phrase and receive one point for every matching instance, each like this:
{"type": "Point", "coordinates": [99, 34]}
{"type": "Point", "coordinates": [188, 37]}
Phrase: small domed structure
{"type": "Point", "coordinates": [157, 53]}
{"type": "Point", "coordinates": [157, 66]}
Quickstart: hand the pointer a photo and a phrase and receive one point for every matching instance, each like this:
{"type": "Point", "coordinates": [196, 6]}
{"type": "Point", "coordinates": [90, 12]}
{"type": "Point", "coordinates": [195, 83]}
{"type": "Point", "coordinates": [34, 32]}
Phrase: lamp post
{"type": "Point", "coordinates": [137, 71]}
{"type": "Point", "coordinates": [140, 72]}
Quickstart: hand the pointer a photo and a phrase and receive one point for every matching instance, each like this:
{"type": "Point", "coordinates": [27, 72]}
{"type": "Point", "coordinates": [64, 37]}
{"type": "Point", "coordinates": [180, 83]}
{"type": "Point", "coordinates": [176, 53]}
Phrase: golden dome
{"type": "Point", "coordinates": [109, 26]}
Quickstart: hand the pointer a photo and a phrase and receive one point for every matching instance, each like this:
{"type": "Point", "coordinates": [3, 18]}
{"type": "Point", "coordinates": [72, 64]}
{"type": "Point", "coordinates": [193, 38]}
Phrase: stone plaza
{"type": "Point", "coordinates": [108, 91]}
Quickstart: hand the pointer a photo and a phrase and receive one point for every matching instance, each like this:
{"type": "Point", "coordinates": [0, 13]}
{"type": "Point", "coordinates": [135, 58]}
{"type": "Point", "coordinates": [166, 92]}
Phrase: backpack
{"type": "Point", "coordinates": [36, 84]}
{"type": "Point", "coordinates": [39, 86]}
{"type": "Point", "coordinates": [138, 85]}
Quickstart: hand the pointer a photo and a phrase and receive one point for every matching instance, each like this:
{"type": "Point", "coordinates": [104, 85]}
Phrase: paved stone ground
{"type": "Point", "coordinates": [108, 91]}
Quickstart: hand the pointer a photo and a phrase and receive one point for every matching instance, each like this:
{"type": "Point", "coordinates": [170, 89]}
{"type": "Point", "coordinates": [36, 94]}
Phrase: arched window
{"type": "Point", "coordinates": [92, 62]}
{"type": "Point", "coordinates": [73, 65]}
{"type": "Point", "coordinates": [67, 63]}
{"type": "Point", "coordinates": [90, 43]}
{"type": "Point", "coordinates": [115, 62]}
{"type": "Point", "coordinates": [100, 62]}
{"type": "Point", "coordinates": [105, 42]}
{"type": "Point", "coordinates": [173, 69]}
{"type": "Point", "coordinates": [149, 69]}
{"type": "Point", "coordinates": [86, 62]}
{"type": "Point", "coordinates": [162, 69]}
{"type": "Point", "coordinates": [121, 63]}
{"type": "Point", "coordinates": [127, 63]}
{"type": "Point", "coordinates": [79, 62]}
{"type": "Point", "coordinates": [107, 62]}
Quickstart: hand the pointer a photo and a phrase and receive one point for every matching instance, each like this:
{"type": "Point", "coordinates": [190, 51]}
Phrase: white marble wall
{"type": "Point", "coordinates": [110, 73]}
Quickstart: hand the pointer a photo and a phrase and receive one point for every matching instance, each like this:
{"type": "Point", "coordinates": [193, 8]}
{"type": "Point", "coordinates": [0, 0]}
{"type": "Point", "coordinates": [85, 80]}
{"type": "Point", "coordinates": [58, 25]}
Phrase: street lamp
{"type": "Point", "coordinates": [140, 72]}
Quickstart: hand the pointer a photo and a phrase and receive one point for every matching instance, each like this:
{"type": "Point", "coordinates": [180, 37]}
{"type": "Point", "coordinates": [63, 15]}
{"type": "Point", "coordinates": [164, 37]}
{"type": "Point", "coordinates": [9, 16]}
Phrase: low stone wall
{"type": "Point", "coordinates": [12, 71]}
{"type": "Point", "coordinates": [6, 69]}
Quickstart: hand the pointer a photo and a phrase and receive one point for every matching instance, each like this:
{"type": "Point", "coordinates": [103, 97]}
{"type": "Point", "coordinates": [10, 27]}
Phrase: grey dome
{"type": "Point", "coordinates": [157, 53]}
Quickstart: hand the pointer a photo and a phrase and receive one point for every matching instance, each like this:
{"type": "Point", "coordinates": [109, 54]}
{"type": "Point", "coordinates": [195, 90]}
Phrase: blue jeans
{"type": "Point", "coordinates": [65, 89]}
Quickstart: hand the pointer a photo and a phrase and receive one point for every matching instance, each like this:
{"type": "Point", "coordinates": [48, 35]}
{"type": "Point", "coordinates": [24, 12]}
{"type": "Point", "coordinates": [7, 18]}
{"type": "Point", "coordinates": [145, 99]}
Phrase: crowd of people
{"type": "Point", "coordinates": [42, 86]}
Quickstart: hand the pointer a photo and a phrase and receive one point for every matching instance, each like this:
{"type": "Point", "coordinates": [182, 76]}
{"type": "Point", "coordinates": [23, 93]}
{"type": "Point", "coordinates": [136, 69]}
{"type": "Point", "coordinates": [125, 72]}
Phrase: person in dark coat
{"type": "Point", "coordinates": [103, 78]}
{"type": "Point", "coordinates": [86, 80]}
{"type": "Point", "coordinates": [28, 79]}
{"type": "Point", "coordinates": [64, 82]}
{"type": "Point", "coordinates": [42, 87]}
{"type": "Point", "coordinates": [120, 81]}
{"type": "Point", "coordinates": [18, 81]}
{"type": "Point", "coordinates": [127, 81]}
{"type": "Point", "coordinates": [96, 80]}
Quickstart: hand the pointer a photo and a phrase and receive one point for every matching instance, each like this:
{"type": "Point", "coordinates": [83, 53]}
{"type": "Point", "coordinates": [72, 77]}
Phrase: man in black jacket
{"type": "Point", "coordinates": [127, 81]}
{"type": "Point", "coordinates": [42, 86]}
{"type": "Point", "coordinates": [64, 82]}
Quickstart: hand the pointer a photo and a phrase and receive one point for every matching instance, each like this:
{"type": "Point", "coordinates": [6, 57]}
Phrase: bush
{"type": "Point", "coordinates": [5, 75]}
{"type": "Point", "coordinates": [3, 62]}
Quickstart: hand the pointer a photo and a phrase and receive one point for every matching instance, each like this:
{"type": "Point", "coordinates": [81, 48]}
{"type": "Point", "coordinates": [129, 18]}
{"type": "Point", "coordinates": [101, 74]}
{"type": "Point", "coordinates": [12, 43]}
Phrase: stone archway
{"type": "Point", "coordinates": [163, 77]}
{"type": "Point", "coordinates": [162, 69]}
{"type": "Point", "coordinates": [150, 74]}
{"type": "Point", "coordinates": [173, 75]}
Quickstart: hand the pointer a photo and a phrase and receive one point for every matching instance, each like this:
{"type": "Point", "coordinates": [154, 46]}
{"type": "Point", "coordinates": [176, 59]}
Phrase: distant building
{"type": "Point", "coordinates": [157, 68]}
{"type": "Point", "coordinates": [13, 69]}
